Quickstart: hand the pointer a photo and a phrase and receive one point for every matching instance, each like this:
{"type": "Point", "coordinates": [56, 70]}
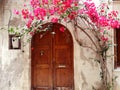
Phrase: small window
{"type": "Point", "coordinates": [117, 47]}
{"type": "Point", "coordinates": [14, 42]}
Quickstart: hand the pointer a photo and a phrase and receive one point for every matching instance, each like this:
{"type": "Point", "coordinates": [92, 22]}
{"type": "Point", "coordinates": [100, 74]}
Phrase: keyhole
{"type": "Point", "coordinates": [42, 53]}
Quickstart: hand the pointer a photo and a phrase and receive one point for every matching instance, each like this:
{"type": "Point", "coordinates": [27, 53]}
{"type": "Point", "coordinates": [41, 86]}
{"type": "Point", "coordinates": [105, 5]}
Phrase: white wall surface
{"type": "Point", "coordinates": [15, 64]}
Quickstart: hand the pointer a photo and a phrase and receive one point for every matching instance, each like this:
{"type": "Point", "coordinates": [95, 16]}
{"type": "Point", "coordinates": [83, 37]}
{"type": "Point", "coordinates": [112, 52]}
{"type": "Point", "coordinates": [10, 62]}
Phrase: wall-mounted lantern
{"type": "Point", "coordinates": [14, 42]}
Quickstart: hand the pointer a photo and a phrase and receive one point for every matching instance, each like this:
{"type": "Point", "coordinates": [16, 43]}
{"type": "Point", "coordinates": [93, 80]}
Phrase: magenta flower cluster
{"type": "Point", "coordinates": [99, 19]}
{"type": "Point", "coordinates": [69, 10]}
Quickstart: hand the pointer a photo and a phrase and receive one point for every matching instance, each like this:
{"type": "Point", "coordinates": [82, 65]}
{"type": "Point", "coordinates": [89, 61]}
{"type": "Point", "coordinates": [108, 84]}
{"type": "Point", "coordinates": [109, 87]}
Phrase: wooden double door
{"type": "Point", "coordinates": [52, 60]}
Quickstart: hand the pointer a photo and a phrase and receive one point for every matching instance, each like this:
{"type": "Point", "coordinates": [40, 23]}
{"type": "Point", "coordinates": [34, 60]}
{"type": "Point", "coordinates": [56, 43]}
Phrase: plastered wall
{"type": "Point", "coordinates": [15, 67]}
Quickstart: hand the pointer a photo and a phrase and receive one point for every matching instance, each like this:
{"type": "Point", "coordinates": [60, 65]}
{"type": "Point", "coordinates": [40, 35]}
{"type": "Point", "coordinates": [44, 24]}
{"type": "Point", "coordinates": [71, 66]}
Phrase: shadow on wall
{"type": "Point", "coordinates": [1, 4]}
{"type": "Point", "coordinates": [1, 0]}
{"type": "Point", "coordinates": [1, 11]}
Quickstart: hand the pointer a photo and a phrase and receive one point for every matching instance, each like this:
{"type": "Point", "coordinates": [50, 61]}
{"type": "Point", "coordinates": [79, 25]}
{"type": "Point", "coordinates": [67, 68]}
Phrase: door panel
{"type": "Point", "coordinates": [52, 60]}
{"type": "Point", "coordinates": [63, 77]}
{"type": "Point", "coordinates": [41, 62]}
{"type": "Point", "coordinates": [63, 50]}
{"type": "Point", "coordinates": [62, 56]}
{"type": "Point", "coordinates": [44, 81]}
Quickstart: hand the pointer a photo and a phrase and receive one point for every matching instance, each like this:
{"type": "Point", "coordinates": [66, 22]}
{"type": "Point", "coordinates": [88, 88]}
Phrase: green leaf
{"type": "Point", "coordinates": [67, 12]}
{"type": "Point", "coordinates": [17, 33]}
{"type": "Point", "coordinates": [75, 8]}
{"type": "Point", "coordinates": [11, 30]}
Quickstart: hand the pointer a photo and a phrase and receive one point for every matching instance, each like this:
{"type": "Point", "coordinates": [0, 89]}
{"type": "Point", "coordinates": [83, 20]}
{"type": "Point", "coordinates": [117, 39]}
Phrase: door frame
{"type": "Point", "coordinates": [72, 56]}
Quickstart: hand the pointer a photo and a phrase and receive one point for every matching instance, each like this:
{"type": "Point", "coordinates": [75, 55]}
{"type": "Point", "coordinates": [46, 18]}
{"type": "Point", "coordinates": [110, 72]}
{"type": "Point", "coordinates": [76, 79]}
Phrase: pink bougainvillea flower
{"type": "Point", "coordinates": [114, 23]}
{"type": "Point", "coordinates": [35, 3]}
{"type": "Point", "coordinates": [102, 10]}
{"type": "Point", "coordinates": [16, 12]}
{"type": "Point", "coordinates": [68, 10]}
{"type": "Point", "coordinates": [31, 16]}
{"type": "Point", "coordinates": [44, 2]}
{"type": "Point", "coordinates": [91, 11]}
{"type": "Point", "coordinates": [115, 13]}
{"type": "Point", "coordinates": [24, 5]}
{"type": "Point", "coordinates": [76, 3]}
{"type": "Point", "coordinates": [93, 16]}
{"type": "Point", "coordinates": [28, 24]}
{"type": "Point", "coordinates": [103, 21]}
{"type": "Point", "coordinates": [82, 11]}
{"type": "Point", "coordinates": [72, 15]}
{"type": "Point", "coordinates": [62, 29]}
{"type": "Point", "coordinates": [112, 14]}
{"type": "Point", "coordinates": [102, 31]}
{"type": "Point", "coordinates": [67, 3]}
{"type": "Point", "coordinates": [40, 13]}
{"type": "Point", "coordinates": [89, 4]}
{"type": "Point", "coordinates": [55, 2]}
{"type": "Point", "coordinates": [51, 11]}
{"type": "Point", "coordinates": [25, 13]}
{"type": "Point", "coordinates": [103, 38]}
{"type": "Point", "coordinates": [54, 20]}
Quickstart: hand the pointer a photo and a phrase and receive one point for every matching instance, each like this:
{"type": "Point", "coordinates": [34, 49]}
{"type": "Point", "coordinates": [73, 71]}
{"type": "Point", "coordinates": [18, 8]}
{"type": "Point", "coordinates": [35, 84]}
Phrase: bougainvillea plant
{"type": "Point", "coordinates": [98, 20]}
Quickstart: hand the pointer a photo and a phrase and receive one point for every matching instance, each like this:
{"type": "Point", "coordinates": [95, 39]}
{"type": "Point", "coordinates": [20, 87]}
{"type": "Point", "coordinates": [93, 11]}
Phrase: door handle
{"type": "Point", "coordinates": [61, 66]}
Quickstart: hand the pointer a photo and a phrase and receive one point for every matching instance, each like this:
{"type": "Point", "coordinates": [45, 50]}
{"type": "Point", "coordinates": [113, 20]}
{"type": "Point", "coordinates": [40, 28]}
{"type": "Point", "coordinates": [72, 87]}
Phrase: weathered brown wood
{"type": "Point", "coordinates": [115, 50]}
{"type": "Point", "coordinates": [52, 60]}
{"type": "Point", "coordinates": [118, 47]}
